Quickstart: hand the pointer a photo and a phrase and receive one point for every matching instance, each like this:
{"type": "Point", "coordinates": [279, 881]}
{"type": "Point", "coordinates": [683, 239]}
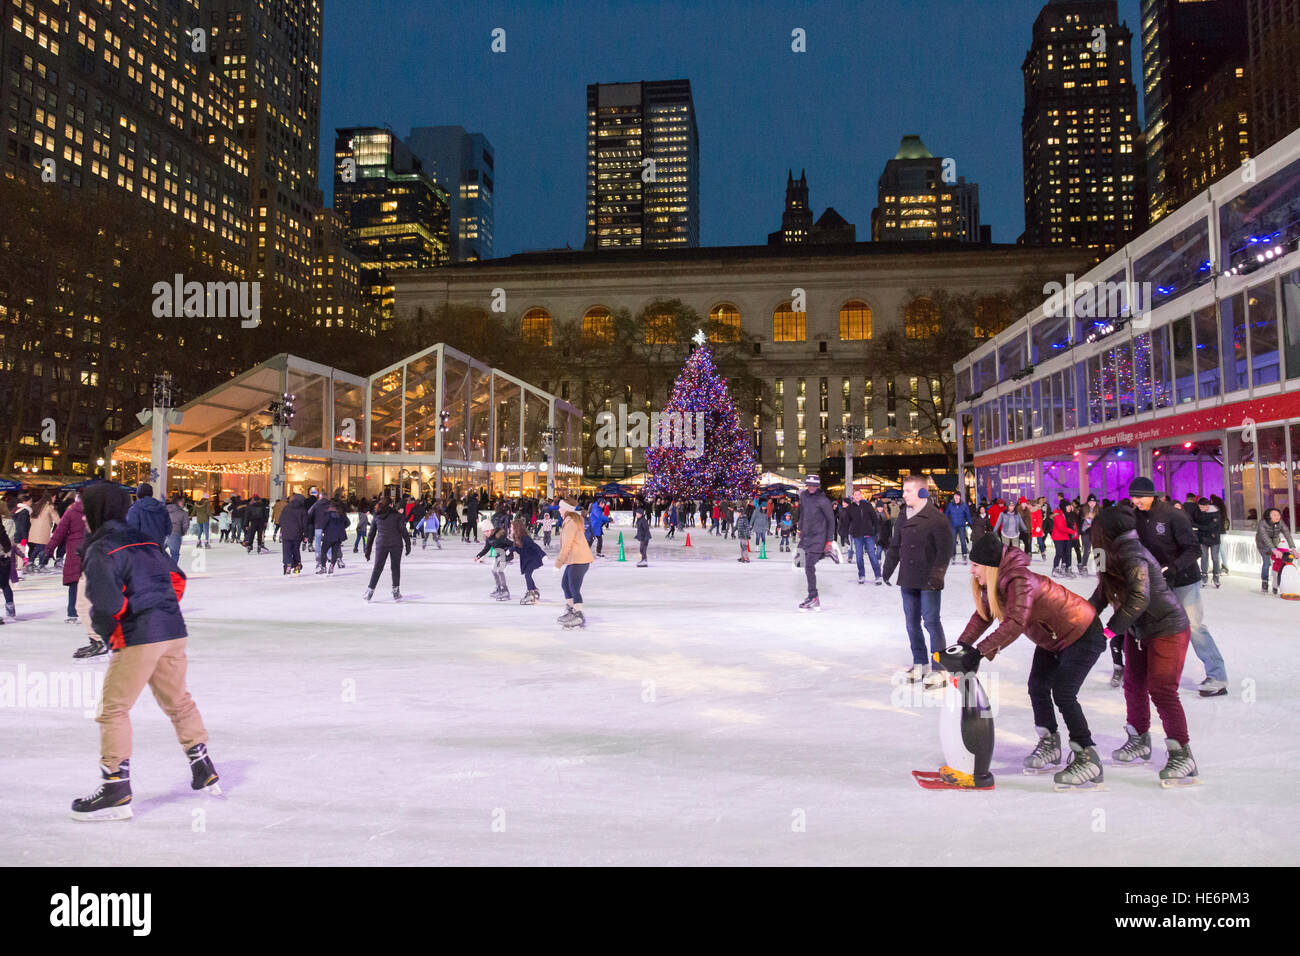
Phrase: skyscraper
{"type": "Point", "coordinates": [797, 226]}
{"type": "Point", "coordinates": [395, 214]}
{"type": "Point", "coordinates": [1274, 70]}
{"type": "Point", "coordinates": [463, 164]}
{"type": "Point", "coordinates": [1079, 128]}
{"type": "Point", "coordinates": [1196, 96]}
{"type": "Point", "coordinates": [270, 54]}
{"type": "Point", "coordinates": [920, 197]}
{"type": "Point", "coordinates": [643, 159]}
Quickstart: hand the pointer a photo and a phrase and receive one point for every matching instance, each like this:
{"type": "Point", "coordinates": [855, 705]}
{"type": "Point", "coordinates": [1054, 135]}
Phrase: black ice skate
{"type": "Point", "coordinates": [112, 801]}
{"type": "Point", "coordinates": [397, 594]}
{"type": "Point", "coordinates": [1083, 772]}
{"type": "Point", "coordinates": [811, 604]}
{"type": "Point", "coordinates": [1046, 754]}
{"type": "Point", "coordinates": [1117, 676]}
{"type": "Point", "coordinates": [1180, 770]}
{"type": "Point", "coordinates": [370, 592]}
{"type": "Point", "coordinates": [575, 620]}
{"type": "Point", "coordinates": [1137, 748]}
{"type": "Point", "coordinates": [90, 651]}
{"type": "Point", "coordinates": [9, 609]}
{"type": "Point", "coordinates": [566, 616]}
{"type": "Point", "coordinates": [532, 597]}
{"type": "Point", "coordinates": [204, 776]}
{"type": "Point", "coordinates": [331, 568]}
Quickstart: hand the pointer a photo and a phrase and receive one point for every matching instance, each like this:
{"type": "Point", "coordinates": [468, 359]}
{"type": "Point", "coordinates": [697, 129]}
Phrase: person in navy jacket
{"type": "Point", "coordinates": [596, 521]}
{"type": "Point", "coordinates": [149, 515]}
{"type": "Point", "coordinates": [134, 590]}
{"type": "Point", "coordinates": [958, 513]}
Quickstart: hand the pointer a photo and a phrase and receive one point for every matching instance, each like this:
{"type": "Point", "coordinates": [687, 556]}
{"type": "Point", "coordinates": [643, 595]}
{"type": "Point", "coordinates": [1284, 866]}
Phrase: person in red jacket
{"type": "Point", "coordinates": [1068, 637]}
{"type": "Point", "coordinates": [1063, 537]}
{"type": "Point", "coordinates": [70, 532]}
{"type": "Point", "coordinates": [135, 590]}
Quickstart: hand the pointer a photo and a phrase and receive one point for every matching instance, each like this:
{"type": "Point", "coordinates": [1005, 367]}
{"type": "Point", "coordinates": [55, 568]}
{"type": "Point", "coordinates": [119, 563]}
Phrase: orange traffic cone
{"type": "Point", "coordinates": [688, 539]}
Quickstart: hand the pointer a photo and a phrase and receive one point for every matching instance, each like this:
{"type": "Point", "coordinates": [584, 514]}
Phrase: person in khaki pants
{"type": "Point", "coordinates": [134, 591]}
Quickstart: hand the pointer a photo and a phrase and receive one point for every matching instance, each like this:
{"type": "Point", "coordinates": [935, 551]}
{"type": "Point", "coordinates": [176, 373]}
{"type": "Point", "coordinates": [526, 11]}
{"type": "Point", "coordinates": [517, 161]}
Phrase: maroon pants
{"type": "Point", "coordinates": [1151, 673]}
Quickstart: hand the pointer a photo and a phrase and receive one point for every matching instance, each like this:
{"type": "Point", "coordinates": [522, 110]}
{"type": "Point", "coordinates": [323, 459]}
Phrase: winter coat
{"type": "Point", "coordinates": [1051, 616]}
{"type": "Point", "coordinates": [335, 529]}
{"type": "Point", "coordinates": [742, 525]}
{"type": "Point", "coordinates": [293, 519]}
{"type": "Point", "coordinates": [22, 523]}
{"type": "Point", "coordinates": [277, 511]}
{"type": "Point", "coordinates": [596, 520]}
{"type": "Point", "coordinates": [71, 532]}
{"type": "Point", "coordinates": [1036, 523]}
{"type": "Point", "coordinates": [531, 556]}
{"type": "Point", "coordinates": [149, 517]}
{"type": "Point", "coordinates": [979, 527]}
{"type": "Point", "coordinates": [1132, 584]}
{"type": "Point", "coordinates": [43, 525]}
{"type": "Point", "coordinates": [1269, 536]}
{"type": "Point", "coordinates": [1208, 526]}
{"type": "Point", "coordinates": [1167, 533]}
{"type": "Point", "coordinates": [180, 519]}
{"type": "Point", "coordinates": [573, 545]}
{"type": "Point", "coordinates": [995, 512]}
{"type": "Point", "coordinates": [760, 523]}
{"type": "Point", "coordinates": [920, 549]}
{"type": "Point", "coordinates": [862, 519]}
{"type": "Point", "coordinates": [203, 511]}
{"type": "Point", "coordinates": [316, 513]}
{"type": "Point", "coordinates": [255, 515]}
{"type": "Point", "coordinates": [642, 529]}
{"type": "Point", "coordinates": [787, 522]}
{"type": "Point", "coordinates": [1009, 524]}
{"type": "Point", "coordinates": [133, 586]}
{"type": "Point", "coordinates": [1062, 530]}
{"type": "Point", "coordinates": [816, 521]}
{"type": "Point", "coordinates": [388, 528]}
{"type": "Point", "coordinates": [958, 513]}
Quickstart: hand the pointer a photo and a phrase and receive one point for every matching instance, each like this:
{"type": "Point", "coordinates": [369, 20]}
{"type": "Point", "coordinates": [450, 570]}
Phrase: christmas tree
{"type": "Point", "coordinates": [683, 463]}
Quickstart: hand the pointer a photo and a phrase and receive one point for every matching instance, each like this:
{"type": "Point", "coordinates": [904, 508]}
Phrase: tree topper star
{"type": "Point", "coordinates": [700, 338]}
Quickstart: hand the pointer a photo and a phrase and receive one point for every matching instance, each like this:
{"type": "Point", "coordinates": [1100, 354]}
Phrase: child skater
{"type": "Point", "coordinates": [531, 558]}
{"type": "Point", "coordinates": [574, 559]}
{"type": "Point", "coordinates": [498, 542]}
{"type": "Point", "coordinates": [742, 532]}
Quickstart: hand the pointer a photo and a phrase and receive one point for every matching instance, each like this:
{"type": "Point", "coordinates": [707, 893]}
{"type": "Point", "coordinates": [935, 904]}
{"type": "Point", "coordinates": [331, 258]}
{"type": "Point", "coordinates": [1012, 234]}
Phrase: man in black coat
{"type": "Point", "coordinates": [255, 525]}
{"type": "Point", "coordinates": [293, 528]}
{"type": "Point", "coordinates": [316, 510]}
{"type": "Point", "coordinates": [471, 517]}
{"type": "Point", "coordinates": [921, 549]}
{"type": "Point", "coordinates": [863, 526]}
{"type": "Point", "coordinates": [816, 535]}
{"type": "Point", "coordinates": [1168, 534]}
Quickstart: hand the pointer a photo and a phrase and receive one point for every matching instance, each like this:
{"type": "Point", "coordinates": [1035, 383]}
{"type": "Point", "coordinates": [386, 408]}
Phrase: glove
{"type": "Point", "coordinates": [970, 659]}
{"type": "Point", "coordinates": [1110, 635]}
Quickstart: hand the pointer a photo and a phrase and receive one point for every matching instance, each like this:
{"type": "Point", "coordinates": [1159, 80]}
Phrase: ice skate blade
{"type": "Point", "coordinates": [1092, 786]}
{"type": "Point", "coordinates": [212, 790]}
{"type": "Point", "coordinates": [100, 816]}
{"type": "Point", "coordinates": [1138, 762]}
{"type": "Point", "coordinates": [1179, 783]}
{"type": "Point", "coordinates": [1039, 771]}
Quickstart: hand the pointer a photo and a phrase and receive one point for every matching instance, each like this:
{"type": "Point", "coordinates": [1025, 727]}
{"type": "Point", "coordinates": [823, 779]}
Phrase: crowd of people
{"type": "Point", "coordinates": [1151, 556]}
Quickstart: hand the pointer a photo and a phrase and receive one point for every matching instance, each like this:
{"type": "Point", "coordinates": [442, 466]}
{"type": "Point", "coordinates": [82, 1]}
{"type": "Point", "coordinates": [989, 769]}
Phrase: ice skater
{"type": "Point", "coordinates": [1068, 639]}
{"type": "Point", "coordinates": [496, 544]}
{"type": "Point", "coordinates": [1156, 634]}
{"type": "Point", "coordinates": [334, 532]}
{"type": "Point", "coordinates": [531, 557]}
{"type": "Point", "coordinates": [816, 536]}
{"type": "Point", "coordinates": [429, 527]}
{"type": "Point", "coordinates": [293, 528]}
{"type": "Point", "coordinates": [743, 526]}
{"type": "Point", "coordinates": [135, 592]}
{"type": "Point", "coordinates": [642, 536]}
{"type": "Point", "coordinates": [574, 559]}
{"type": "Point", "coordinates": [388, 535]}
{"type": "Point", "coordinates": [921, 549]}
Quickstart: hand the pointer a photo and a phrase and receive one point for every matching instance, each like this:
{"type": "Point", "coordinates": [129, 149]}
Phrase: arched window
{"type": "Point", "coordinates": [921, 319]}
{"type": "Point", "coordinates": [788, 325]}
{"type": "Point", "coordinates": [855, 321]}
{"type": "Point", "coordinates": [661, 329]}
{"type": "Point", "coordinates": [992, 315]}
{"type": "Point", "coordinates": [724, 323]}
{"type": "Point", "coordinates": [598, 326]}
{"type": "Point", "coordinates": [536, 327]}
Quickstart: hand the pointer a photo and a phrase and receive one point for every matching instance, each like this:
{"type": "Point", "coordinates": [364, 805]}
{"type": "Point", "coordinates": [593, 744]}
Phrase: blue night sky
{"type": "Point", "coordinates": [875, 70]}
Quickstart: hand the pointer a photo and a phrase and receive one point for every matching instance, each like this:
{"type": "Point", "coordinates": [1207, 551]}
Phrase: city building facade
{"type": "Point", "coordinates": [1274, 69]}
{"type": "Point", "coordinates": [337, 302]}
{"type": "Point", "coordinates": [797, 225]}
{"type": "Point", "coordinates": [920, 198]}
{"type": "Point", "coordinates": [1080, 129]}
{"type": "Point", "coordinates": [464, 164]}
{"type": "Point", "coordinates": [1178, 357]}
{"type": "Point", "coordinates": [643, 165]}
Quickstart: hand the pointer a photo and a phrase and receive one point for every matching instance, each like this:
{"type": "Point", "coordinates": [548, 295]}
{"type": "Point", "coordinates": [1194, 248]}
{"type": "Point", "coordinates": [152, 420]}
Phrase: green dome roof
{"type": "Point", "coordinates": [912, 148]}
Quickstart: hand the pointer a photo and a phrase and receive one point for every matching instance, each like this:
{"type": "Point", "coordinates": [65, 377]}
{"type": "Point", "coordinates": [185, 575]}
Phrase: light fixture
{"type": "Point", "coordinates": [99, 462]}
{"type": "Point", "coordinates": [1187, 444]}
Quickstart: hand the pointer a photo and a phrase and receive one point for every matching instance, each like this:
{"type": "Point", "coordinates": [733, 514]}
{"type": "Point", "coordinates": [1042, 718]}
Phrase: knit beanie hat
{"type": "Point", "coordinates": [987, 551]}
{"type": "Point", "coordinates": [1116, 521]}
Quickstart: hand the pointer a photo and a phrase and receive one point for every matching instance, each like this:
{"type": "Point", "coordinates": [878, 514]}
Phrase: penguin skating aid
{"type": "Point", "coordinates": [965, 729]}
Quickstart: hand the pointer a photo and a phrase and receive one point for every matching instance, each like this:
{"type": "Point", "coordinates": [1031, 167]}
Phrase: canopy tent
{"type": "Point", "coordinates": [776, 478]}
{"type": "Point", "coordinates": [614, 488]}
{"type": "Point", "coordinates": [777, 488]}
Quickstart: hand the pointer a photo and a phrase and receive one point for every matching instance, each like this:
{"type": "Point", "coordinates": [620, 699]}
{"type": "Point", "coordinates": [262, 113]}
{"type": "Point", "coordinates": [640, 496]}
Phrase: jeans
{"type": "Point", "coordinates": [1189, 596]}
{"type": "Point", "coordinates": [810, 559]}
{"type": "Point", "coordinates": [923, 606]}
{"type": "Point", "coordinates": [1264, 569]}
{"type": "Point", "coordinates": [866, 543]}
{"type": "Point", "coordinates": [1151, 677]}
{"type": "Point", "coordinates": [174, 547]}
{"type": "Point", "coordinates": [1208, 552]}
{"type": "Point", "coordinates": [72, 599]}
{"type": "Point", "coordinates": [203, 532]}
{"type": "Point", "coordinates": [315, 543]}
{"type": "Point", "coordinates": [959, 535]}
{"type": "Point", "coordinates": [34, 552]}
{"type": "Point", "coordinates": [571, 582]}
{"type": "Point", "coordinates": [1058, 677]}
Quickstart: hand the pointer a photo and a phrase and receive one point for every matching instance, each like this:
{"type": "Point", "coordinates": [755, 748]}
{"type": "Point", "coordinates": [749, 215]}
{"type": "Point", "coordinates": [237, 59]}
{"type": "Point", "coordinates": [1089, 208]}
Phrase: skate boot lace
{"type": "Point", "coordinates": [1135, 745]}
{"type": "Point", "coordinates": [1079, 769]}
{"type": "Point", "coordinates": [1046, 750]}
{"type": "Point", "coordinates": [1180, 764]}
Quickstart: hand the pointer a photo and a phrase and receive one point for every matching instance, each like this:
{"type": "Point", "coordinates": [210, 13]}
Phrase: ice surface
{"type": "Point", "coordinates": [699, 719]}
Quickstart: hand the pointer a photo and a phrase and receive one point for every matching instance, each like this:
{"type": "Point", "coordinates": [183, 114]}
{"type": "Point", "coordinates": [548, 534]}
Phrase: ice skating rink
{"type": "Point", "coordinates": [699, 719]}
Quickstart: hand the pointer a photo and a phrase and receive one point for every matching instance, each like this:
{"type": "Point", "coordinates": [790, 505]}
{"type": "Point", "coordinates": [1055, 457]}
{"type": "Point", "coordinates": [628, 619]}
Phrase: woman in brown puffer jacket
{"type": "Point", "coordinates": [1068, 638]}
